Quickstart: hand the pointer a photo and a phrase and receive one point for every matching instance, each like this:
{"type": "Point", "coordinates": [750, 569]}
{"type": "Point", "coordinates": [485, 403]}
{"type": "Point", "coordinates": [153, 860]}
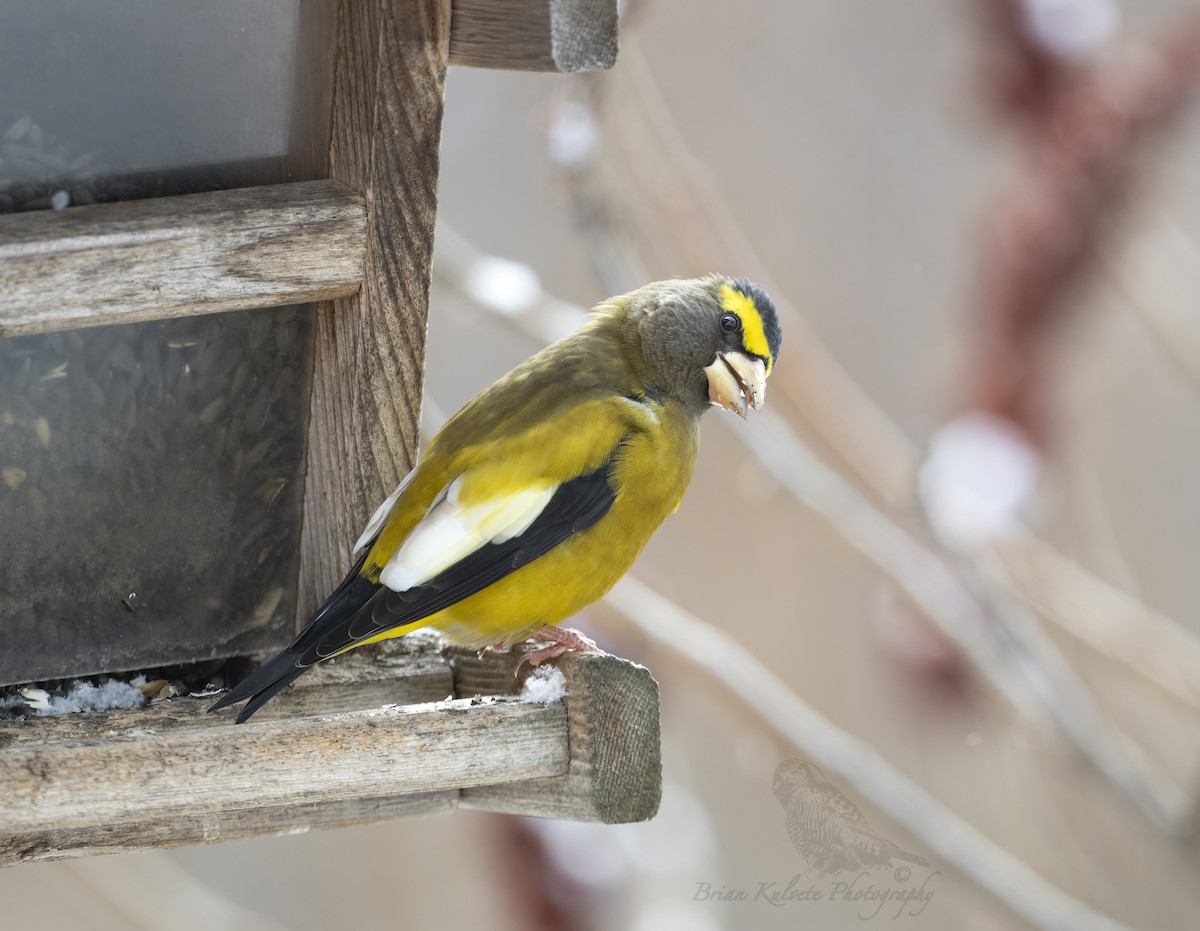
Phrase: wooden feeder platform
{"type": "Point", "coordinates": [439, 731]}
{"type": "Point", "coordinates": [405, 728]}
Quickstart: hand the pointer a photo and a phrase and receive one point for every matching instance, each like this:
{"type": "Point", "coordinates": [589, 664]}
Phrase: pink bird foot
{"type": "Point", "coordinates": [561, 640]}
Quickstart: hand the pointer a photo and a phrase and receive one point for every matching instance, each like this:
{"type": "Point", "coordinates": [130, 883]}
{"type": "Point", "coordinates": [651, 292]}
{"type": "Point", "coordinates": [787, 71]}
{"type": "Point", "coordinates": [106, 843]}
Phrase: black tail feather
{"type": "Point", "coordinates": [273, 676]}
{"type": "Point", "coordinates": [268, 679]}
{"type": "Point", "coordinates": [270, 690]}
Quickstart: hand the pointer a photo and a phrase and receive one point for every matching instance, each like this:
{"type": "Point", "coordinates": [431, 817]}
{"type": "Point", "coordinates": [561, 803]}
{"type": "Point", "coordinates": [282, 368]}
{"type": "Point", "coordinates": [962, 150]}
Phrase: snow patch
{"type": "Point", "coordinates": [84, 696]}
{"type": "Point", "coordinates": [545, 685]}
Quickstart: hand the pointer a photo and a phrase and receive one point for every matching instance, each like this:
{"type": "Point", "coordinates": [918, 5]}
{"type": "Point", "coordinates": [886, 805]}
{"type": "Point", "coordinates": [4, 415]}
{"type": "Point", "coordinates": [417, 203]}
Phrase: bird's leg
{"type": "Point", "coordinates": [562, 640]}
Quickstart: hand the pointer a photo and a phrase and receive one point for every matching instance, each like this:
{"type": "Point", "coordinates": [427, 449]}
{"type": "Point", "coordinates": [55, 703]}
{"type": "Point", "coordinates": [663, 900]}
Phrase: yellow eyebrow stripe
{"type": "Point", "coordinates": [754, 337]}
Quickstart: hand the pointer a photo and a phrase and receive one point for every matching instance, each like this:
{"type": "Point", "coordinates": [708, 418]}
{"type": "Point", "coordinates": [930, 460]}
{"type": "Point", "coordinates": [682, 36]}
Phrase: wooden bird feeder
{"type": "Point", "coordinates": [214, 278]}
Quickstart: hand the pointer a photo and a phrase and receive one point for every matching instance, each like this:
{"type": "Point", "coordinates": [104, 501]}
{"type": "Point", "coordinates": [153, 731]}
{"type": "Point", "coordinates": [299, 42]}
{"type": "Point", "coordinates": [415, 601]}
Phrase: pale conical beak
{"type": "Point", "coordinates": [736, 382]}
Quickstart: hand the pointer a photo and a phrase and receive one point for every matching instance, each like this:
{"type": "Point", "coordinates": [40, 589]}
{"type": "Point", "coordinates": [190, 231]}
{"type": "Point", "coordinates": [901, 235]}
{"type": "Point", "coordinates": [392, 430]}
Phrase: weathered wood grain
{"type": "Point", "coordinates": [409, 670]}
{"type": "Point", "coordinates": [173, 256]}
{"type": "Point", "coordinates": [182, 829]}
{"type": "Point", "coordinates": [172, 774]}
{"type": "Point", "coordinates": [615, 772]}
{"type": "Point", "coordinates": [399, 749]}
{"type": "Point", "coordinates": [534, 35]}
{"type": "Point", "coordinates": [406, 671]}
{"type": "Point", "coordinates": [148, 774]}
{"type": "Point", "coordinates": [370, 348]}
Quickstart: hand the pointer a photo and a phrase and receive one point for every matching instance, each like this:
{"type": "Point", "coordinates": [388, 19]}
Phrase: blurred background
{"type": "Point", "coordinates": [971, 602]}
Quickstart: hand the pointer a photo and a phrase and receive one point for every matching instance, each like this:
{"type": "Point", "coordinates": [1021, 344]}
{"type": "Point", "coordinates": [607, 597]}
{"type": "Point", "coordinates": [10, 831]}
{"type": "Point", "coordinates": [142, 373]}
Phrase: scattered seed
{"type": "Point", "coordinates": [265, 609]}
{"type": "Point", "coordinates": [95, 392]}
{"type": "Point", "coordinates": [59, 371]}
{"type": "Point", "coordinates": [269, 490]}
{"type": "Point", "coordinates": [210, 412]}
{"type": "Point", "coordinates": [254, 457]}
{"type": "Point", "coordinates": [152, 689]}
{"type": "Point", "coordinates": [174, 437]}
{"type": "Point", "coordinates": [122, 357]}
{"type": "Point", "coordinates": [257, 410]}
{"type": "Point", "coordinates": [156, 441]}
{"type": "Point", "coordinates": [36, 203]}
{"type": "Point", "coordinates": [18, 129]}
{"type": "Point", "coordinates": [129, 415]}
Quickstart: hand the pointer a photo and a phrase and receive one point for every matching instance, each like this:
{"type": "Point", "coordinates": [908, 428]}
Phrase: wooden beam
{"type": "Point", "coordinates": [188, 827]}
{"type": "Point", "coordinates": [370, 348]}
{"type": "Point", "coordinates": [615, 771]}
{"type": "Point", "coordinates": [132, 774]}
{"type": "Point", "coordinates": [173, 256]}
{"type": "Point", "coordinates": [534, 35]}
{"type": "Point", "coordinates": [172, 774]}
{"type": "Point", "coordinates": [230, 800]}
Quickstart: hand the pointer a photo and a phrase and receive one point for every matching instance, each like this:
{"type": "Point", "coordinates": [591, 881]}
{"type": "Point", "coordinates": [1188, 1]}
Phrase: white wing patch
{"type": "Point", "coordinates": [449, 532]}
{"type": "Point", "coordinates": [379, 518]}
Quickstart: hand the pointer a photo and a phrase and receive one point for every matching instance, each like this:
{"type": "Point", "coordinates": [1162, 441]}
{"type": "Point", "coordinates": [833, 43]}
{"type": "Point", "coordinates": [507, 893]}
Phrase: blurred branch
{"type": "Point", "coordinates": [1087, 122]}
{"type": "Point", "coordinates": [994, 869]}
{"type": "Point", "coordinates": [1089, 110]}
{"type": "Point", "coordinates": [1159, 275]}
{"type": "Point", "coordinates": [1116, 625]}
{"type": "Point", "coordinates": [994, 627]}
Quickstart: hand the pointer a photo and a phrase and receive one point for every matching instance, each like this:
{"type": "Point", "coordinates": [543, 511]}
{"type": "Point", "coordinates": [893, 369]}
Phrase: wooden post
{"type": "Point", "coordinates": [534, 35]}
{"type": "Point", "coordinates": [389, 88]}
{"type": "Point", "coordinates": [615, 771]}
{"type": "Point", "coordinates": [168, 779]}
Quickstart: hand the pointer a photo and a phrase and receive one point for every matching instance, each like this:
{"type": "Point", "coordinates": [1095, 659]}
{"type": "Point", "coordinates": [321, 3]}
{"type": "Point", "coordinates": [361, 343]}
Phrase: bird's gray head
{"type": "Point", "coordinates": [704, 341]}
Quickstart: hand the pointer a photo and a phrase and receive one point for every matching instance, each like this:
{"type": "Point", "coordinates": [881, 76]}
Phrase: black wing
{"type": "Point", "coordinates": [575, 506]}
{"type": "Point", "coordinates": [360, 609]}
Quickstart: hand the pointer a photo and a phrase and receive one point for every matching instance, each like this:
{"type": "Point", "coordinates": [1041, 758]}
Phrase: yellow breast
{"type": "Point", "coordinates": [652, 472]}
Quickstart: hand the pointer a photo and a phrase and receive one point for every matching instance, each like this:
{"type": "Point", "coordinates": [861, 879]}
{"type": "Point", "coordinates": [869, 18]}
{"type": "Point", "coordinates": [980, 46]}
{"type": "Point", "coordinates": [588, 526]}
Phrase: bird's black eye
{"type": "Point", "coordinates": [730, 322]}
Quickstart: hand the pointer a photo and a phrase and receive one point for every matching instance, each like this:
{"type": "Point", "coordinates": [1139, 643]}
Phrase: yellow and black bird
{"type": "Point", "coordinates": [536, 497]}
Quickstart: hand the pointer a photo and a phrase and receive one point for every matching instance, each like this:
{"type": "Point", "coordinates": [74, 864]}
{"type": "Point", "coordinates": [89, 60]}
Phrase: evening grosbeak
{"type": "Point", "coordinates": [536, 497]}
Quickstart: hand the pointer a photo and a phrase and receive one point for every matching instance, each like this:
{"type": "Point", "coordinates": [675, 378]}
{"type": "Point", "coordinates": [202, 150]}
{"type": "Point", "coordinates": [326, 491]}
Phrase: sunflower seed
{"type": "Point", "coordinates": [18, 129]}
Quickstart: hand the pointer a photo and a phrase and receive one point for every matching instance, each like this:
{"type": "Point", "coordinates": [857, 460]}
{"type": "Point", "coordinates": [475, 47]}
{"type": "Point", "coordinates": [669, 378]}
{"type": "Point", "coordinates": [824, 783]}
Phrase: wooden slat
{"type": "Point", "coordinates": [408, 670]}
{"type": "Point", "coordinates": [534, 35]}
{"type": "Point", "coordinates": [132, 774]}
{"type": "Point", "coordinates": [185, 828]}
{"type": "Point", "coordinates": [171, 774]}
{"type": "Point", "coordinates": [405, 671]}
{"type": "Point", "coordinates": [615, 772]}
{"type": "Point", "coordinates": [370, 348]}
{"type": "Point", "coordinates": [172, 256]}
